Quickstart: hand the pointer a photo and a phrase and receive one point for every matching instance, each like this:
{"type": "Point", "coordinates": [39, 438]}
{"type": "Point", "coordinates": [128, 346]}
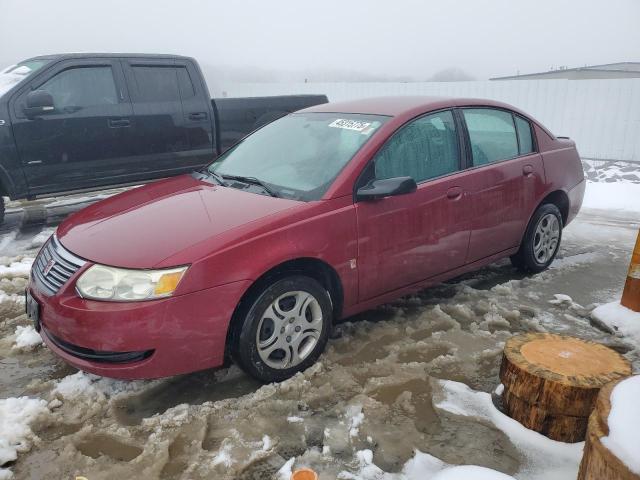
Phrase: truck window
{"type": "Point", "coordinates": [156, 83]}
{"type": "Point", "coordinates": [186, 85]}
{"type": "Point", "coordinates": [82, 87]}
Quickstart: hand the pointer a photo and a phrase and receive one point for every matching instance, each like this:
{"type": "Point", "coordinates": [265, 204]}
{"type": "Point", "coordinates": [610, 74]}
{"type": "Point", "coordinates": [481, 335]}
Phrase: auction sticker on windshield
{"type": "Point", "coordinates": [356, 125]}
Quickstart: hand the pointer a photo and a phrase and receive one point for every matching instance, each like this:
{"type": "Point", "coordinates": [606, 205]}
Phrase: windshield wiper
{"type": "Point", "coordinates": [251, 180]}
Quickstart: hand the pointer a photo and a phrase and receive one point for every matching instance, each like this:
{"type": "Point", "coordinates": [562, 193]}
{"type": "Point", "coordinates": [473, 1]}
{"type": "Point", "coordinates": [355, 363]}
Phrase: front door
{"type": "Point", "coordinates": [507, 173]}
{"type": "Point", "coordinates": [408, 238]}
{"type": "Point", "coordinates": [85, 139]}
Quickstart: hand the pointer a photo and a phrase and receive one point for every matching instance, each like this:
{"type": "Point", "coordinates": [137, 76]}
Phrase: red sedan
{"type": "Point", "coordinates": [319, 215]}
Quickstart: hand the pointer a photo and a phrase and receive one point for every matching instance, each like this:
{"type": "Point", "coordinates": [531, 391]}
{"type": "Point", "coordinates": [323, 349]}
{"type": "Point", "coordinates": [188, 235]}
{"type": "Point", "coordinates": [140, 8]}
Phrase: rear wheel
{"type": "Point", "coordinates": [541, 240]}
{"type": "Point", "coordinates": [285, 328]}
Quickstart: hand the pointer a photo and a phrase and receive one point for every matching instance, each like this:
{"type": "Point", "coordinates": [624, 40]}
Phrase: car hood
{"type": "Point", "coordinates": [142, 227]}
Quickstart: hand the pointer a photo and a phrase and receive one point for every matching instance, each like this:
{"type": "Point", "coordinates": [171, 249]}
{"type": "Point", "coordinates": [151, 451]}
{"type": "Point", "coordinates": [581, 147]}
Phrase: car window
{"type": "Point", "coordinates": [185, 83]}
{"type": "Point", "coordinates": [524, 135]}
{"type": "Point", "coordinates": [300, 155]}
{"type": "Point", "coordinates": [77, 88]}
{"type": "Point", "coordinates": [423, 149]}
{"type": "Point", "coordinates": [156, 84]}
{"type": "Point", "coordinates": [492, 135]}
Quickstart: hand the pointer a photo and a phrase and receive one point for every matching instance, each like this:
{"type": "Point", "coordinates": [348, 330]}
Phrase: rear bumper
{"type": "Point", "coordinates": [576, 195]}
{"type": "Point", "coordinates": [135, 340]}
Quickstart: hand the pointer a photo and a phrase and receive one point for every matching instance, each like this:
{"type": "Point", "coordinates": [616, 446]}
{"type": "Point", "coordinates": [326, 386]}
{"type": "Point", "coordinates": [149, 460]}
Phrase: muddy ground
{"type": "Point", "coordinates": [372, 390]}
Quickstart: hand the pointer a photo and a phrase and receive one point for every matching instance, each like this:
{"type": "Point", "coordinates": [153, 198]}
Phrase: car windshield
{"type": "Point", "coordinates": [300, 155]}
{"type": "Point", "coordinates": [11, 76]}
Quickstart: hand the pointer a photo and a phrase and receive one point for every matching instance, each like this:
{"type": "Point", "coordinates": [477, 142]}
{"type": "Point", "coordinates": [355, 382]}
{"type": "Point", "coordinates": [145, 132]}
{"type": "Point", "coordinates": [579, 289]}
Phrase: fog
{"type": "Point", "coordinates": [331, 39]}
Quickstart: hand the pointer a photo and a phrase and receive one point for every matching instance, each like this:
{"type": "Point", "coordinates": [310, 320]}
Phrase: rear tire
{"type": "Point", "coordinates": [285, 328]}
{"type": "Point", "coordinates": [541, 240]}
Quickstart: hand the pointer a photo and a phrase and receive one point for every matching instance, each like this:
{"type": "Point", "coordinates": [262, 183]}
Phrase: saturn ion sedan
{"type": "Point", "coordinates": [319, 215]}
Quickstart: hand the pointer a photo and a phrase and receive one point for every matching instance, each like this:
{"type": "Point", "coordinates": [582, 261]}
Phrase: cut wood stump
{"type": "Point", "coordinates": [598, 462]}
{"type": "Point", "coordinates": [551, 382]}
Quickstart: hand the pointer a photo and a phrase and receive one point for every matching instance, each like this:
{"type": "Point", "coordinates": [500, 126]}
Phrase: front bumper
{"type": "Point", "coordinates": [135, 340]}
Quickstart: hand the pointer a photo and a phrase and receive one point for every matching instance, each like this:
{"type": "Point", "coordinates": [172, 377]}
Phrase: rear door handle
{"type": "Point", "coordinates": [120, 123]}
{"type": "Point", "coordinates": [454, 193]}
{"type": "Point", "coordinates": [198, 116]}
{"type": "Point", "coordinates": [527, 170]}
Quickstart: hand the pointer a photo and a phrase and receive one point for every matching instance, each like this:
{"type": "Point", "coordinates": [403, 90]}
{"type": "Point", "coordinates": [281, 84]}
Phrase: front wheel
{"type": "Point", "coordinates": [541, 240]}
{"type": "Point", "coordinates": [285, 329]}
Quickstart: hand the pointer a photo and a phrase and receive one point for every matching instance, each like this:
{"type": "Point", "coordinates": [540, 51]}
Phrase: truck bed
{"type": "Point", "coordinates": [240, 116]}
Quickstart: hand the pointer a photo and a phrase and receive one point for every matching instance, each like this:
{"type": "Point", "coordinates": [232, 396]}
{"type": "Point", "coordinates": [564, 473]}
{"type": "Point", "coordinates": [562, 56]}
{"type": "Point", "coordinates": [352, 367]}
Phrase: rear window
{"type": "Point", "coordinates": [156, 84]}
{"type": "Point", "coordinates": [492, 134]}
{"type": "Point", "coordinates": [524, 135]}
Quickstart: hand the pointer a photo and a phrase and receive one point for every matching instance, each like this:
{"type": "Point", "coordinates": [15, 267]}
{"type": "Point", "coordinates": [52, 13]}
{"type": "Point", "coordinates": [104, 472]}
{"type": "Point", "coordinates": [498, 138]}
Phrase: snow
{"type": "Point", "coordinates": [620, 318]}
{"type": "Point", "coordinates": [294, 419]}
{"type": "Point", "coordinates": [547, 459]}
{"type": "Point", "coordinates": [286, 471]}
{"type": "Point", "coordinates": [421, 467]}
{"type": "Point", "coordinates": [17, 269]}
{"type": "Point", "coordinates": [26, 338]}
{"type": "Point", "coordinates": [16, 414]}
{"type": "Point", "coordinates": [618, 195]}
{"type": "Point", "coordinates": [624, 423]}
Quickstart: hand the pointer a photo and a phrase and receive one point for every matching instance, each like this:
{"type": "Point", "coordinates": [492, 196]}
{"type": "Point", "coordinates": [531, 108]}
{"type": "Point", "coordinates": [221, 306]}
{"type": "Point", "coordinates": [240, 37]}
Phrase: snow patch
{"type": "Point", "coordinates": [547, 459]}
{"type": "Point", "coordinates": [17, 269]}
{"type": "Point", "coordinates": [285, 471]}
{"type": "Point", "coordinates": [16, 415]}
{"type": "Point", "coordinates": [624, 419]}
{"type": "Point", "coordinates": [612, 196]}
{"type": "Point", "coordinates": [620, 318]}
{"type": "Point", "coordinates": [26, 338]}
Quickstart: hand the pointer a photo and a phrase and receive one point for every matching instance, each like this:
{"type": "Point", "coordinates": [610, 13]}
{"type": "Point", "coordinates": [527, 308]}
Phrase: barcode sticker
{"type": "Point", "coordinates": [355, 125]}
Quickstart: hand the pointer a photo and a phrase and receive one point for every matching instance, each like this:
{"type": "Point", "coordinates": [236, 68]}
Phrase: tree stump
{"type": "Point", "coordinates": [598, 462]}
{"type": "Point", "coordinates": [551, 382]}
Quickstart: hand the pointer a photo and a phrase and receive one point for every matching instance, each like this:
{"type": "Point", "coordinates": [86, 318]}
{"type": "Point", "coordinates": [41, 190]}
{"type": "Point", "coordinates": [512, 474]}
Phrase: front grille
{"type": "Point", "coordinates": [54, 265]}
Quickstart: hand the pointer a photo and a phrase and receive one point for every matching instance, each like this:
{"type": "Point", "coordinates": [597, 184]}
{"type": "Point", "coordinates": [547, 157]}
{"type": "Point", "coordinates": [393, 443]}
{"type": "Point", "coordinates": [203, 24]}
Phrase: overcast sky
{"type": "Point", "coordinates": [395, 38]}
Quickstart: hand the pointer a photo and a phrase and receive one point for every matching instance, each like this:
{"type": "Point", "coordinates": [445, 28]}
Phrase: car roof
{"type": "Point", "coordinates": [402, 105]}
{"type": "Point", "coordinates": [64, 56]}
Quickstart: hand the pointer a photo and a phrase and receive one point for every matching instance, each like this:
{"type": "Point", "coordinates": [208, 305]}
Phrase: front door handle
{"type": "Point", "coordinates": [198, 116]}
{"type": "Point", "coordinates": [527, 170]}
{"type": "Point", "coordinates": [454, 193]}
{"type": "Point", "coordinates": [119, 123]}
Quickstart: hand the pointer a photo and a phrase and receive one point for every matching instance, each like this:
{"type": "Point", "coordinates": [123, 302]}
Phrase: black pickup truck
{"type": "Point", "coordinates": [74, 122]}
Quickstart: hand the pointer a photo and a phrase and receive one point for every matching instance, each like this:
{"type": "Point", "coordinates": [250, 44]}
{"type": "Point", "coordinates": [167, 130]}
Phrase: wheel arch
{"type": "Point", "coordinates": [315, 268]}
{"type": "Point", "coordinates": [561, 200]}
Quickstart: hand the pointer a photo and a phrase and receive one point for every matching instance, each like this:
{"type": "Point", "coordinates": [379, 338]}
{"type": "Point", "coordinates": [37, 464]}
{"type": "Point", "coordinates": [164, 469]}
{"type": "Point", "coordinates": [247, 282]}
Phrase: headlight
{"type": "Point", "coordinates": [118, 284]}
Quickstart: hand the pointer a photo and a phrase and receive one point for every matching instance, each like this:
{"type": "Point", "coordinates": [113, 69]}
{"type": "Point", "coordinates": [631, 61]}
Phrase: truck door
{"type": "Point", "coordinates": [161, 142]}
{"type": "Point", "coordinates": [85, 139]}
{"type": "Point", "coordinates": [196, 104]}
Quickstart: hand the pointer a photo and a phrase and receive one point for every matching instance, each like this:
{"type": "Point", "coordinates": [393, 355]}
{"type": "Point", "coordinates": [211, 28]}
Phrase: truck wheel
{"type": "Point", "coordinates": [541, 240]}
{"type": "Point", "coordinates": [1, 209]}
{"type": "Point", "coordinates": [285, 328]}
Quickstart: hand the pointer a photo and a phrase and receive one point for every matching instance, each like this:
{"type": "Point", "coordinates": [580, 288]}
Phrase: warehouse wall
{"type": "Point", "coordinates": [602, 116]}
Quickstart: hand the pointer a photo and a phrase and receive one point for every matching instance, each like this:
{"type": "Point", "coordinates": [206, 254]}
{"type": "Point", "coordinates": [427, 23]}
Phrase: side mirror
{"type": "Point", "coordinates": [387, 187]}
{"type": "Point", "coordinates": [39, 102]}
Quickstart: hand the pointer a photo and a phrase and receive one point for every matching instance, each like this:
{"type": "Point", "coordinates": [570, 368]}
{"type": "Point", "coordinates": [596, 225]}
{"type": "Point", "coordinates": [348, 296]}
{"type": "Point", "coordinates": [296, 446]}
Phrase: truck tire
{"type": "Point", "coordinates": [285, 329]}
{"type": "Point", "coordinates": [541, 240]}
{"type": "Point", "coordinates": [1, 209]}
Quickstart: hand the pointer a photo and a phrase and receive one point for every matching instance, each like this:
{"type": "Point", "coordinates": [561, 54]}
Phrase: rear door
{"type": "Point", "coordinates": [507, 174]}
{"type": "Point", "coordinates": [86, 140]}
{"type": "Point", "coordinates": [196, 106]}
{"type": "Point", "coordinates": [408, 238]}
{"type": "Point", "coordinates": [161, 140]}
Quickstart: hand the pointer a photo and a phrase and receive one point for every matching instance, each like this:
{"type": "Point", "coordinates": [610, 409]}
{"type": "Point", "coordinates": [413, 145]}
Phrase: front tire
{"type": "Point", "coordinates": [285, 329]}
{"type": "Point", "coordinates": [541, 240]}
